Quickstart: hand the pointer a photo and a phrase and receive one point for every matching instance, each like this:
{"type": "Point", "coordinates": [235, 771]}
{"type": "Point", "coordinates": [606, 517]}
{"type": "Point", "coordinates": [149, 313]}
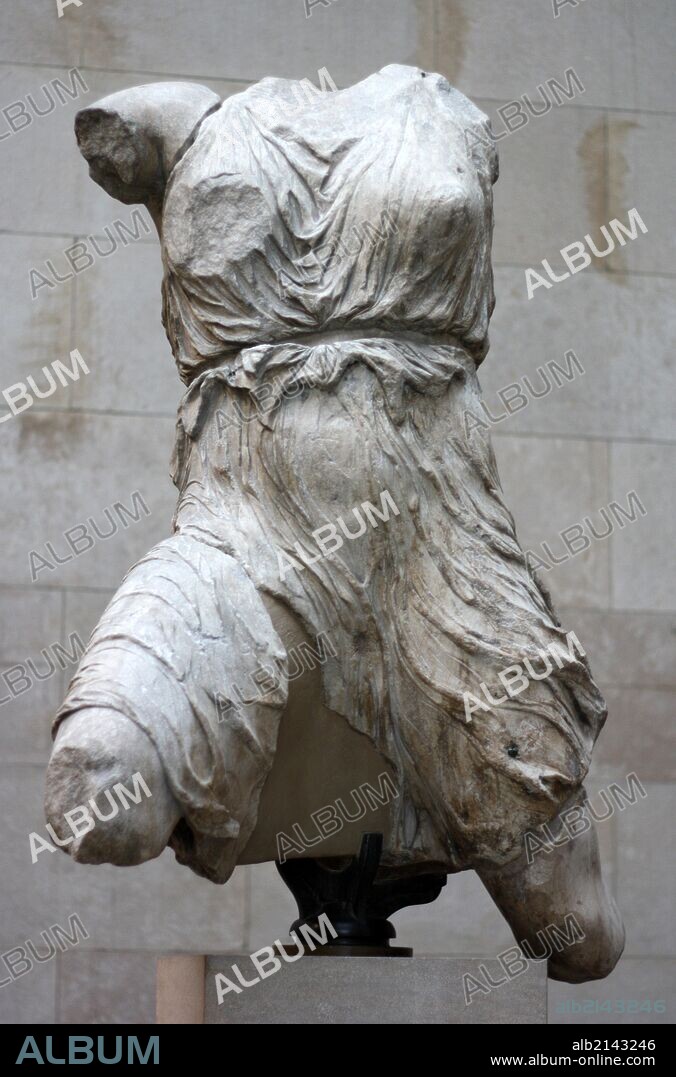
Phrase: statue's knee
{"type": "Point", "coordinates": [107, 797]}
{"type": "Point", "coordinates": [596, 949]}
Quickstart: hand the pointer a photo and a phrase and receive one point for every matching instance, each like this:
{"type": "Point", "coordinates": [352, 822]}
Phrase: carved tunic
{"type": "Point", "coordinates": [327, 295]}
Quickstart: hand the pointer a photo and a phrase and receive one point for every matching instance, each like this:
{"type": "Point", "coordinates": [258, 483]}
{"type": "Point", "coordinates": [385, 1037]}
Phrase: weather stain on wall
{"type": "Point", "coordinates": [54, 436]}
{"type": "Point", "coordinates": [605, 169]}
{"type": "Point", "coordinates": [620, 198]}
{"type": "Point", "coordinates": [618, 167]}
{"type": "Point", "coordinates": [450, 27]}
{"type": "Point", "coordinates": [98, 27]}
{"type": "Point", "coordinates": [592, 155]}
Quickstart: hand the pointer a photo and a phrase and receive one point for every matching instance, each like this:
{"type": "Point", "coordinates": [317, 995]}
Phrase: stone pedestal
{"type": "Point", "coordinates": [181, 985]}
{"type": "Point", "coordinates": [350, 990]}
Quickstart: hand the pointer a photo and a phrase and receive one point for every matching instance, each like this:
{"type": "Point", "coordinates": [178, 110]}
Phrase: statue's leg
{"type": "Point", "coordinates": [539, 899]}
{"type": "Point", "coordinates": [96, 749]}
{"type": "Point", "coordinates": [178, 699]}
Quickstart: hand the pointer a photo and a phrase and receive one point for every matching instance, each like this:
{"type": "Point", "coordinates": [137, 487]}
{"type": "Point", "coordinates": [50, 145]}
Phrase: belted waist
{"type": "Point", "coordinates": [232, 359]}
{"type": "Point", "coordinates": [338, 336]}
{"type": "Point", "coordinates": [271, 372]}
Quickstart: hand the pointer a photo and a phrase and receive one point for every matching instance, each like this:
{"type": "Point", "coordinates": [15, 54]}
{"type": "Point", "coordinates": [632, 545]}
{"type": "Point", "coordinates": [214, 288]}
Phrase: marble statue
{"type": "Point", "coordinates": [327, 291]}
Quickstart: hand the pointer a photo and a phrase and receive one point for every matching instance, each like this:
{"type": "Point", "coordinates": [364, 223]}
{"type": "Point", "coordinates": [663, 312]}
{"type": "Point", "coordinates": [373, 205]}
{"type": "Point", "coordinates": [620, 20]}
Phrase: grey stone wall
{"type": "Point", "coordinates": [101, 439]}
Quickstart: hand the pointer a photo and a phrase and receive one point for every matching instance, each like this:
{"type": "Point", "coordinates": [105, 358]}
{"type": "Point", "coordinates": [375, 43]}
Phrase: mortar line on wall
{"type": "Point", "coordinates": [606, 179]}
{"type": "Point", "coordinates": [601, 609]}
{"type": "Point", "coordinates": [73, 325]}
{"type": "Point", "coordinates": [69, 235]}
{"type": "Point", "coordinates": [497, 264]}
{"type": "Point", "coordinates": [548, 436]}
{"type": "Point", "coordinates": [435, 31]}
{"type": "Point", "coordinates": [613, 272]}
{"type": "Point", "coordinates": [615, 847]}
{"type": "Point", "coordinates": [42, 410]}
{"type": "Point", "coordinates": [631, 685]}
{"type": "Point", "coordinates": [57, 989]}
{"type": "Point", "coordinates": [606, 169]}
{"type": "Point", "coordinates": [606, 166]}
{"type": "Point", "coordinates": [611, 596]}
{"type": "Point", "coordinates": [164, 75]}
{"type": "Point", "coordinates": [564, 606]}
{"type": "Point", "coordinates": [625, 273]}
{"type": "Point", "coordinates": [248, 910]}
{"type": "Point", "coordinates": [611, 591]}
{"type": "Point", "coordinates": [56, 587]}
{"type": "Point", "coordinates": [62, 636]}
{"type": "Point", "coordinates": [237, 79]}
{"type": "Point", "coordinates": [637, 440]}
{"type": "Point", "coordinates": [578, 107]}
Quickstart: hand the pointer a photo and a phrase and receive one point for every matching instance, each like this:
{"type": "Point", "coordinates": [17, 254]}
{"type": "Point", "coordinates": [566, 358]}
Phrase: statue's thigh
{"type": "Point", "coordinates": [559, 905]}
{"type": "Point", "coordinates": [105, 769]}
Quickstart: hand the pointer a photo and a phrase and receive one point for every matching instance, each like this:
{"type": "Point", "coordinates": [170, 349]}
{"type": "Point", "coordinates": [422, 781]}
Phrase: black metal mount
{"type": "Point", "coordinates": [355, 904]}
